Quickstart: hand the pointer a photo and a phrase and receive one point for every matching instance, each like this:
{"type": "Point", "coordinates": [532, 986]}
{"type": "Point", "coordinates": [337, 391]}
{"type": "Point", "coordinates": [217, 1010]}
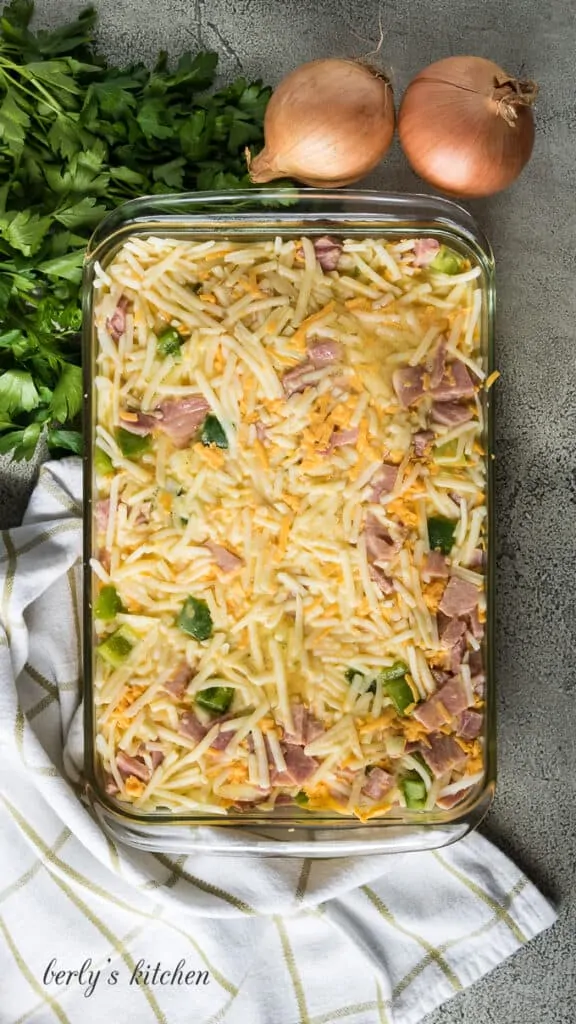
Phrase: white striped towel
{"type": "Point", "coordinates": [205, 939]}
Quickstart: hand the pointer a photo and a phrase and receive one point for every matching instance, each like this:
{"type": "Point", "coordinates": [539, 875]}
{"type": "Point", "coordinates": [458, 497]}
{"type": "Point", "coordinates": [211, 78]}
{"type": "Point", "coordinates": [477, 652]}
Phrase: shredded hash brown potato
{"type": "Point", "coordinates": [289, 525]}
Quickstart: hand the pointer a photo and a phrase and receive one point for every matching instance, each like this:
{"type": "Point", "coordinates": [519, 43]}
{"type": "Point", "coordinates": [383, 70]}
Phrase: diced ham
{"type": "Point", "coordinates": [379, 546]}
{"type": "Point", "coordinates": [443, 754]}
{"type": "Point", "coordinates": [177, 684]}
{"type": "Point", "coordinates": [408, 383]}
{"type": "Point", "coordinates": [298, 378]}
{"type": "Point", "coordinates": [479, 684]}
{"type": "Point", "coordinates": [383, 481]}
{"type": "Point", "coordinates": [110, 785]}
{"type": "Point", "coordinates": [116, 324]}
{"type": "Point", "coordinates": [455, 383]}
{"type": "Point", "coordinates": [226, 560]}
{"type": "Point", "coordinates": [476, 627]}
{"type": "Point", "coordinates": [450, 414]}
{"type": "Point", "coordinates": [452, 632]}
{"type": "Point", "coordinates": [456, 654]}
{"type": "Point", "coordinates": [435, 566]}
{"type": "Point", "coordinates": [192, 727]}
{"type": "Point", "coordinates": [260, 431]}
{"type": "Point", "coordinates": [425, 250]}
{"type": "Point", "coordinates": [104, 558]}
{"type": "Point", "coordinates": [450, 700]}
{"type": "Point", "coordinates": [438, 365]}
{"type": "Point", "coordinates": [377, 784]}
{"type": "Point", "coordinates": [140, 423]}
{"type": "Point", "coordinates": [306, 727]}
{"type": "Point", "coordinates": [421, 442]}
{"type": "Point", "coordinates": [340, 438]}
{"type": "Point", "coordinates": [156, 756]}
{"type": "Point", "coordinates": [222, 739]}
{"type": "Point", "coordinates": [102, 513]}
{"type": "Point", "coordinates": [469, 724]}
{"type": "Point", "coordinates": [324, 352]}
{"type": "Point", "coordinates": [132, 766]}
{"type": "Point", "coordinates": [459, 598]}
{"type": "Point", "coordinates": [328, 251]}
{"type": "Point", "coordinates": [478, 560]}
{"type": "Point", "coordinates": [182, 417]}
{"type": "Point", "coordinates": [451, 799]}
{"type": "Point", "coordinates": [476, 663]}
{"type": "Point", "coordinates": [283, 799]}
{"type": "Point", "coordinates": [384, 583]}
{"type": "Point", "coordinates": [299, 767]}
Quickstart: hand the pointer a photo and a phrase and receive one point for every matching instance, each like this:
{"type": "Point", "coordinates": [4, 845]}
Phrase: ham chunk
{"type": "Point", "coordinates": [299, 767]}
{"type": "Point", "coordinates": [452, 631]}
{"type": "Point", "coordinates": [383, 481]}
{"type": "Point", "coordinates": [340, 438]}
{"type": "Point", "coordinates": [469, 724]}
{"type": "Point", "coordinates": [450, 414]}
{"type": "Point", "coordinates": [306, 727]}
{"type": "Point", "coordinates": [102, 511]}
{"type": "Point", "coordinates": [459, 598]}
{"type": "Point", "coordinates": [379, 546]}
{"type": "Point", "coordinates": [298, 378]}
{"type": "Point", "coordinates": [132, 766]}
{"type": "Point", "coordinates": [182, 418]}
{"type": "Point", "coordinates": [192, 727]}
{"type": "Point", "coordinates": [177, 683]}
{"type": "Point", "coordinates": [384, 583]}
{"type": "Point", "coordinates": [226, 560]}
{"type": "Point", "coordinates": [451, 799]}
{"type": "Point", "coordinates": [408, 383]}
{"type": "Point", "coordinates": [439, 709]}
{"type": "Point", "coordinates": [438, 364]}
{"type": "Point", "coordinates": [425, 250]}
{"type": "Point", "coordinates": [421, 442]}
{"type": "Point", "coordinates": [377, 784]}
{"type": "Point", "coordinates": [324, 352]}
{"type": "Point", "coordinates": [443, 754]}
{"type": "Point", "coordinates": [455, 383]}
{"type": "Point", "coordinates": [140, 423]}
{"type": "Point", "coordinates": [435, 566]}
{"type": "Point", "coordinates": [328, 251]}
{"type": "Point", "coordinates": [116, 324]}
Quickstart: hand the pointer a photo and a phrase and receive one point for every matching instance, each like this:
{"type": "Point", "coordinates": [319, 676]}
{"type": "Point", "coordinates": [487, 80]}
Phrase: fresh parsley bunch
{"type": "Point", "coordinates": [78, 137]}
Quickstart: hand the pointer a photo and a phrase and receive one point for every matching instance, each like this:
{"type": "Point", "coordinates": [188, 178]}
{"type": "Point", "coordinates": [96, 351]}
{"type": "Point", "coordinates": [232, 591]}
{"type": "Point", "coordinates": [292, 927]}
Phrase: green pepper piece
{"type": "Point", "coordinates": [117, 647]}
{"type": "Point", "coordinates": [212, 432]}
{"type": "Point", "coordinates": [131, 445]}
{"type": "Point", "coordinates": [169, 342]}
{"type": "Point", "coordinates": [102, 462]}
{"type": "Point", "coordinates": [107, 604]}
{"type": "Point", "coordinates": [195, 618]}
{"type": "Point", "coordinates": [302, 798]}
{"type": "Point", "coordinates": [441, 534]}
{"type": "Point", "coordinates": [400, 694]}
{"type": "Point", "coordinates": [351, 673]}
{"type": "Point", "coordinates": [216, 699]}
{"type": "Point", "coordinates": [397, 671]}
{"type": "Point", "coordinates": [414, 790]}
{"type": "Point", "coordinates": [446, 261]}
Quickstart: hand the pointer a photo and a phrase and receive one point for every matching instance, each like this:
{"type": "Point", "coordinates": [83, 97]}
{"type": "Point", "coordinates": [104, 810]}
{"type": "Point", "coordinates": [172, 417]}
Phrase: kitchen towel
{"type": "Point", "coordinates": [89, 928]}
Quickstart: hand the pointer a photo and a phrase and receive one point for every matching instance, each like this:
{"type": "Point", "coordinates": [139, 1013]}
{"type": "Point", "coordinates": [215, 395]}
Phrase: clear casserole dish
{"type": "Point", "coordinates": [445, 292]}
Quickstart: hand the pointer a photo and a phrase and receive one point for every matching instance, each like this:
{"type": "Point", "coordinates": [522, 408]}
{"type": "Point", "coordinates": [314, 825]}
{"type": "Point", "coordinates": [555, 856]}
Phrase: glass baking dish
{"type": "Point", "coordinates": [255, 215]}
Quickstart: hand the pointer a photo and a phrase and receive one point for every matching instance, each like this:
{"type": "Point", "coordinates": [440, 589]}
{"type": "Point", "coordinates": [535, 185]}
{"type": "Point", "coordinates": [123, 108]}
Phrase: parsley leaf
{"type": "Point", "coordinates": [17, 392]}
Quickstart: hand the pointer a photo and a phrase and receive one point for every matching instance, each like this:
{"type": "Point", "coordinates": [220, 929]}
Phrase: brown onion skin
{"type": "Point", "coordinates": [328, 115]}
{"type": "Point", "coordinates": [452, 130]}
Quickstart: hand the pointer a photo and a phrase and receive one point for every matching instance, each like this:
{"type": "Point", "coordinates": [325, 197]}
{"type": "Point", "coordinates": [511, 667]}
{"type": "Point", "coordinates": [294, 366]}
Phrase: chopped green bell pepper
{"type": "Point", "coordinates": [195, 618]}
{"type": "Point", "coordinates": [117, 647]}
{"type": "Point", "coordinates": [212, 432]}
{"type": "Point", "coordinates": [414, 790]}
{"type": "Point", "coordinates": [131, 445]}
{"type": "Point", "coordinates": [169, 342]}
{"type": "Point", "coordinates": [302, 798]}
{"type": "Point", "coordinates": [107, 604]}
{"type": "Point", "coordinates": [441, 534]}
{"type": "Point", "coordinates": [399, 693]}
{"type": "Point", "coordinates": [446, 261]}
{"type": "Point", "coordinates": [216, 699]}
{"type": "Point", "coordinates": [102, 462]}
{"type": "Point", "coordinates": [397, 671]}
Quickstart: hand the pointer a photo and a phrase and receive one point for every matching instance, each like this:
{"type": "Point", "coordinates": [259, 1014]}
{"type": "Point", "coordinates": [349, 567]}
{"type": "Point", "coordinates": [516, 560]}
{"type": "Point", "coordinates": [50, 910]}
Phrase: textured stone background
{"type": "Point", "coordinates": [533, 230]}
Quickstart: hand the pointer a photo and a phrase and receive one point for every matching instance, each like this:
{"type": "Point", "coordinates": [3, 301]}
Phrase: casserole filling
{"type": "Point", "coordinates": [289, 525]}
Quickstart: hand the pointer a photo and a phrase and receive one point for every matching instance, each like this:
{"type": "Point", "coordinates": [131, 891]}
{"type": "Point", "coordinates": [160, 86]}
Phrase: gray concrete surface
{"type": "Point", "coordinates": [533, 230]}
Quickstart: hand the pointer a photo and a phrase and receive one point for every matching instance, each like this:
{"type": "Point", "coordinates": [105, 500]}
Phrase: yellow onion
{"type": "Point", "coordinates": [466, 126]}
{"type": "Point", "coordinates": [329, 123]}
